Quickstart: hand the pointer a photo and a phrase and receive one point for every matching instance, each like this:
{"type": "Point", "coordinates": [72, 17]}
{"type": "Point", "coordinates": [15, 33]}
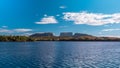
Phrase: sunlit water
{"type": "Point", "coordinates": [59, 54]}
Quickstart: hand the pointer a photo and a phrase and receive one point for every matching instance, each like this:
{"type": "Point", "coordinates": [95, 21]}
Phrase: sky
{"type": "Point", "coordinates": [25, 17]}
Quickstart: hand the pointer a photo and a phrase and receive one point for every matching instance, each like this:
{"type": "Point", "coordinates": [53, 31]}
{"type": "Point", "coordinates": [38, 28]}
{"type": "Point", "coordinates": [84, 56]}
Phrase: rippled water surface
{"type": "Point", "coordinates": [59, 54]}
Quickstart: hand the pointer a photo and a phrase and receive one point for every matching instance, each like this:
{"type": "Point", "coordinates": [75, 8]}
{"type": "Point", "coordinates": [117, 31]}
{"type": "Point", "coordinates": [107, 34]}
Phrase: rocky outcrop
{"type": "Point", "coordinates": [42, 34]}
{"type": "Point", "coordinates": [66, 34]}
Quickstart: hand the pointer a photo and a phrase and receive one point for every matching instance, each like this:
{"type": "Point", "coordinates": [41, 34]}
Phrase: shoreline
{"type": "Point", "coordinates": [63, 41]}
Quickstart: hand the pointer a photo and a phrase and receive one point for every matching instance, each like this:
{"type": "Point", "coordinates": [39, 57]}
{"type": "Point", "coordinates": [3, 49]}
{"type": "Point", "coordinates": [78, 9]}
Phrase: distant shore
{"type": "Point", "coordinates": [69, 36]}
{"type": "Point", "coordinates": [55, 38]}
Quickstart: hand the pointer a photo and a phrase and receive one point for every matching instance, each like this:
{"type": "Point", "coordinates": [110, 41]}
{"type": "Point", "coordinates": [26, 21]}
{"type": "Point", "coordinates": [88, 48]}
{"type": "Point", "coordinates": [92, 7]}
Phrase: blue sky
{"type": "Point", "coordinates": [95, 17]}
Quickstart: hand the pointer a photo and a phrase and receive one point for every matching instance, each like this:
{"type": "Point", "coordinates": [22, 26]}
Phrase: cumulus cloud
{"type": "Point", "coordinates": [47, 20]}
{"type": "Point", "coordinates": [109, 30]}
{"type": "Point", "coordinates": [94, 19]}
{"type": "Point", "coordinates": [22, 30]}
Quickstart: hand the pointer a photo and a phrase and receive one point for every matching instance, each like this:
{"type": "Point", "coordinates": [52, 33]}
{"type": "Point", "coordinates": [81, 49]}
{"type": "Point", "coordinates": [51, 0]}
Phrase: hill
{"type": "Point", "coordinates": [69, 37]}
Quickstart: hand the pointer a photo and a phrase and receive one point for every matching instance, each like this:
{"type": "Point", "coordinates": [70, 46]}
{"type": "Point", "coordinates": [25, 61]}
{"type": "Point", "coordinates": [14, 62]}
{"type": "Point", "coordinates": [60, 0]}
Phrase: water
{"type": "Point", "coordinates": [59, 54]}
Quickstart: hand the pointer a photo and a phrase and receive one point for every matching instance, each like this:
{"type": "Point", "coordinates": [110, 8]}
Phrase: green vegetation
{"type": "Point", "coordinates": [15, 38]}
{"type": "Point", "coordinates": [55, 38]}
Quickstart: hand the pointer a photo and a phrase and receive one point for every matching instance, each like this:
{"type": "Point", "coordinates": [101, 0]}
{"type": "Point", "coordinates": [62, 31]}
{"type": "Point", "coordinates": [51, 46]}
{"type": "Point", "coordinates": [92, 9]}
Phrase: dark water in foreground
{"type": "Point", "coordinates": [60, 55]}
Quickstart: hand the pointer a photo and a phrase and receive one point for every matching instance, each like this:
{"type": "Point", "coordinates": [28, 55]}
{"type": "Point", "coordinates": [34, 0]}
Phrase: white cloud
{"type": "Point", "coordinates": [48, 20]}
{"type": "Point", "coordinates": [62, 7]}
{"type": "Point", "coordinates": [16, 31]}
{"type": "Point", "coordinates": [27, 34]}
{"type": "Point", "coordinates": [117, 36]}
{"type": "Point", "coordinates": [22, 30]}
{"type": "Point", "coordinates": [109, 30]}
{"type": "Point", "coordinates": [5, 31]}
{"type": "Point", "coordinates": [94, 19]}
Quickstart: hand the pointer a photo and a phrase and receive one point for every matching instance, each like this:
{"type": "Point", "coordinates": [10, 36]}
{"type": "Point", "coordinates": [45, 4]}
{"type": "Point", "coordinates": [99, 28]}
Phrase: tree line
{"type": "Point", "coordinates": [16, 38]}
